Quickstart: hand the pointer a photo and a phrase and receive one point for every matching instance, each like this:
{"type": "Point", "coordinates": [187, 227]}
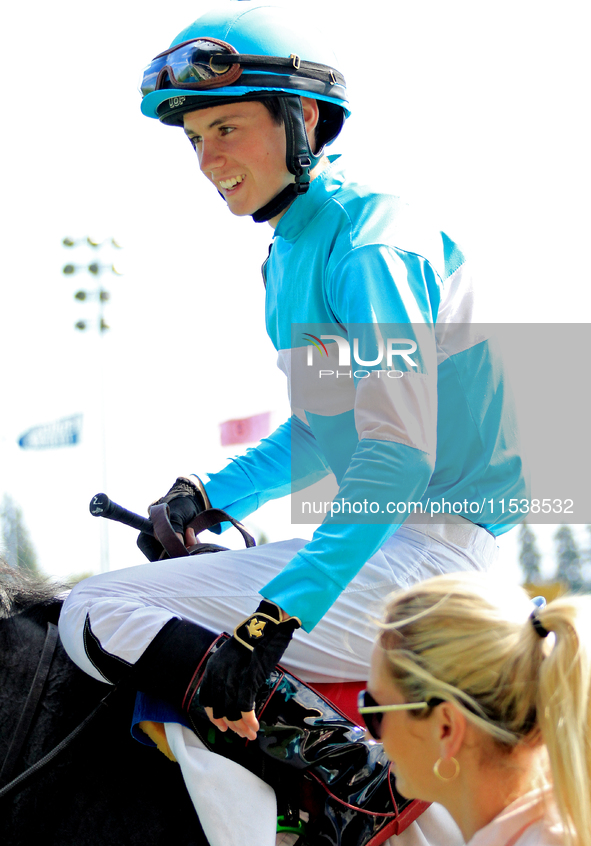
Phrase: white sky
{"type": "Point", "coordinates": [477, 110]}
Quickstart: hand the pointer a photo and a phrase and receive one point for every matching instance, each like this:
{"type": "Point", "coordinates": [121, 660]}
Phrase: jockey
{"type": "Point", "coordinates": [395, 392]}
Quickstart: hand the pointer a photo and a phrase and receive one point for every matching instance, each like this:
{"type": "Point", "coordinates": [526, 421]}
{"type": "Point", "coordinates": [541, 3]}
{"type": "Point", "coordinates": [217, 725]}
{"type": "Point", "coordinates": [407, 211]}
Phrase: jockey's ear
{"type": "Point", "coordinates": [311, 117]}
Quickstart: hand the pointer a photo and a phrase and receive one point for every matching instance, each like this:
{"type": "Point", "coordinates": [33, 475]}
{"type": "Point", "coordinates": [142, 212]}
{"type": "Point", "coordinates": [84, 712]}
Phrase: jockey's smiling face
{"type": "Point", "coordinates": [241, 149]}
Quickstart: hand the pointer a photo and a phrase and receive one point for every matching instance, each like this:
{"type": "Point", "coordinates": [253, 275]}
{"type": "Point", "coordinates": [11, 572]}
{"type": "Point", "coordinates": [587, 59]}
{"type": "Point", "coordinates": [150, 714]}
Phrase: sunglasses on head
{"type": "Point", "coordinates": [372, 713]}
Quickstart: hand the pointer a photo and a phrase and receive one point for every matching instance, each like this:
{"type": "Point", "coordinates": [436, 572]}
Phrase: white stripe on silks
{"type": "Point", "coordinates": [401, 410]}
{"type": "Point", "coordinates": [235, 807]}
{"type": "Point", "coordinates": [461, 319]}
{"type": "Point", "coordinates": [458, 302]}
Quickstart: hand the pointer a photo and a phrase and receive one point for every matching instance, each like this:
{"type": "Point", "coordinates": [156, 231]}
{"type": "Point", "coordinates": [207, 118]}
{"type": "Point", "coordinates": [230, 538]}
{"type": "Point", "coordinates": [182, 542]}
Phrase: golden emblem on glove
{"type": "Point", "coordinates": [255, 627]}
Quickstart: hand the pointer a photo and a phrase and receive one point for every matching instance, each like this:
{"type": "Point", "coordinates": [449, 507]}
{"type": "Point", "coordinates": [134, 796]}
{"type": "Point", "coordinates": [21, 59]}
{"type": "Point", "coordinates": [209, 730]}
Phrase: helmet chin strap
{"type": "Point", "coordinates": [299, 159]}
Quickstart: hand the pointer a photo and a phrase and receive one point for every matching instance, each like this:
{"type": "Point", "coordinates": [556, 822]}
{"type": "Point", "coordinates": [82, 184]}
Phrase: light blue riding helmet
{"type": "Point", "coordinates": [251, 50]}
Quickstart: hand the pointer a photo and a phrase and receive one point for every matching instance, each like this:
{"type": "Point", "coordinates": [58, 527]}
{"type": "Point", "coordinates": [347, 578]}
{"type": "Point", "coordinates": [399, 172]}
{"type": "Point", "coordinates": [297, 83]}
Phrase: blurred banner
{"type": "Point", "coordinates": [245, 431]}
{"type": "Point", "coordinates": [64, 432]}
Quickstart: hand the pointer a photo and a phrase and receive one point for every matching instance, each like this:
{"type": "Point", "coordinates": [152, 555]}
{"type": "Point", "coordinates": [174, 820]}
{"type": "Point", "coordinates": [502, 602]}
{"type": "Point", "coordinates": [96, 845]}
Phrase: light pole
{"type": "Point", "coordinates": [100, 296]}
{"type": "Point", "coordinates": [96, 269]}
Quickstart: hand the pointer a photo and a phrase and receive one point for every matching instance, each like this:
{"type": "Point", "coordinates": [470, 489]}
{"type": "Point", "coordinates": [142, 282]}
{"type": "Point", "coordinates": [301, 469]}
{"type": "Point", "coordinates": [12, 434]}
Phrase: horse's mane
{"type": "Point", "coordinates": [20, 590]}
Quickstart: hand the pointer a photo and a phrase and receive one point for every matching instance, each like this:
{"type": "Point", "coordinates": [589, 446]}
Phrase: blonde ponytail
{"type": "Point", "coordinates": [564, 710]}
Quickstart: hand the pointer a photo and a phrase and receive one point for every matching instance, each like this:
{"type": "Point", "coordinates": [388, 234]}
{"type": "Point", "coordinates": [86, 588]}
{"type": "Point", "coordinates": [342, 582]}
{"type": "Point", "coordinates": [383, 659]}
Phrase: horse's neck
{"type": "Point", "coordinates": [21, 636]}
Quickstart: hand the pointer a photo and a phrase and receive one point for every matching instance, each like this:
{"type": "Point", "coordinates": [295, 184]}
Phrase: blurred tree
{"type": "Point", "coordinates": [18, 548]}
{"type": "Point", "coordinates": [570, 571]}
{"type": "Point", "coordinates": [529, 557]}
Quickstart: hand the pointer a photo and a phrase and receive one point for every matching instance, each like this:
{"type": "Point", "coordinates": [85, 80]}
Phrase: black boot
{"type": "Point", "coordinates": [165, 668]}
{"type": "Point", "coordinates": [305, 744]}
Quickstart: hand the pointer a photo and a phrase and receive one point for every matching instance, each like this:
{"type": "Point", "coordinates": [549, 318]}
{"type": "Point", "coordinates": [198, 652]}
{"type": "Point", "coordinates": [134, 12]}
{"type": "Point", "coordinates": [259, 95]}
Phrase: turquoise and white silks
{"type": "Point", "coordinates": [362, 266]}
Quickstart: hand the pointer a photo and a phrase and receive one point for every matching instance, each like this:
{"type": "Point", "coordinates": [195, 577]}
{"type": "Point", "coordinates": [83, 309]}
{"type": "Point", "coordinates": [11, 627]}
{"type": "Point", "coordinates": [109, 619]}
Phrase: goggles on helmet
{"type": "Point", "coordinates": [203, 63]}
{"type": "Point", "coordinates": [195, 64]}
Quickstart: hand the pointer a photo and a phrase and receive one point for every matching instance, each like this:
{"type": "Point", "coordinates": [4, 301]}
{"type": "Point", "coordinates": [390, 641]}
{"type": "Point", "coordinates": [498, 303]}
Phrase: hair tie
{"type": "Point", "coordinates": [537, 624]}
{"type": "Point", "coordinates": [538, 602]}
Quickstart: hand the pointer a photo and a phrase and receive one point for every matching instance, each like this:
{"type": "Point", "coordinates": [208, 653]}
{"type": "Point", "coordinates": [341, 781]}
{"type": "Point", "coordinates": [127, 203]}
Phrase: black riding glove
{"type": "Point", "coordinates": [186, 499]}
{"type": "Point", "coordinates": [237, 670]}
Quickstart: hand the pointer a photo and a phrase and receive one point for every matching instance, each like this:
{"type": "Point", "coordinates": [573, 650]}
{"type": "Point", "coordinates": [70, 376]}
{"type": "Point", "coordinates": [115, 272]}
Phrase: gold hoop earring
{"type": "Point", "coordinates": [436, 772]}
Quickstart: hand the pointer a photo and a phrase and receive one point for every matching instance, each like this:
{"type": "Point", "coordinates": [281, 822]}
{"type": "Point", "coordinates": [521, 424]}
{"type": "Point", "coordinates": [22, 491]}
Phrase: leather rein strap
{"type": "Point", "coordinates": [166, 535]}
{"type": "Point", "coordinates": [26, 719]}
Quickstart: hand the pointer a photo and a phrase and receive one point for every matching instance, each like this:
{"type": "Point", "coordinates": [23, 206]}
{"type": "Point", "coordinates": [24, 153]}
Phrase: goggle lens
{"type": "Point", "coordinates": [190, 65]}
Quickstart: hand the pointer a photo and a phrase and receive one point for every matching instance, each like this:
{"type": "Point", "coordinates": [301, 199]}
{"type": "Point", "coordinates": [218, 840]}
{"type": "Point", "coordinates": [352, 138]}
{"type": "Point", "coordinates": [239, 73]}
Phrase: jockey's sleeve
{"type": "Point", "coordinates": [287, 461]}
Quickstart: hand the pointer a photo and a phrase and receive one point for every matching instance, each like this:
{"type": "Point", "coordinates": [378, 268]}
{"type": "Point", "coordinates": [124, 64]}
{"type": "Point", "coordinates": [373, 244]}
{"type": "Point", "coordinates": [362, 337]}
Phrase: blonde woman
{"type": "Point", "coordinates": [482, 701]}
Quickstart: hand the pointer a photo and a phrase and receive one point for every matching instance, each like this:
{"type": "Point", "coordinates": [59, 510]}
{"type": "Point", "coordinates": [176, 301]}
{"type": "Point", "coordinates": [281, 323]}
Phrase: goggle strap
{"type": "Point", "coordinates": [278, 64]}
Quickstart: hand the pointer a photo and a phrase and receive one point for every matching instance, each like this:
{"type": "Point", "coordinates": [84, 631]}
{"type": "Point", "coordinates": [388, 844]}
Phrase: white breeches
{"type": "Point", "coordinates": [127, 608]}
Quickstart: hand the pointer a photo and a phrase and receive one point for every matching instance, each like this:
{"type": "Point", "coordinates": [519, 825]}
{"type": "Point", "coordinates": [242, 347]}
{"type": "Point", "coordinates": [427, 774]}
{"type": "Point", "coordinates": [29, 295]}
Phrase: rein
{"type": "Point", "coordinates": [27, 717]}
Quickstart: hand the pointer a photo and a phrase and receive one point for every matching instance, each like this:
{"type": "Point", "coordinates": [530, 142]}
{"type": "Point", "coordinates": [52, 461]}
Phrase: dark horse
{"type": "Point", "coordinates": [103, 787]}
